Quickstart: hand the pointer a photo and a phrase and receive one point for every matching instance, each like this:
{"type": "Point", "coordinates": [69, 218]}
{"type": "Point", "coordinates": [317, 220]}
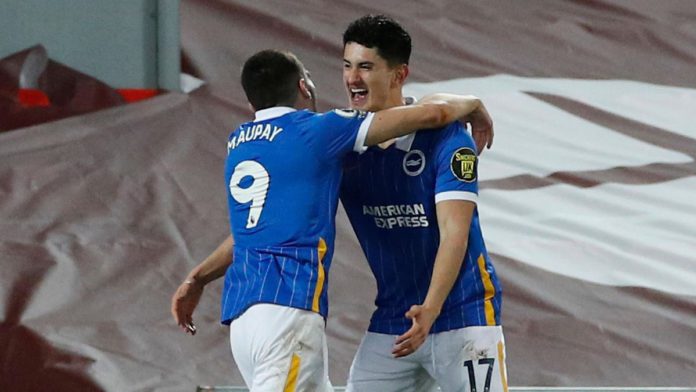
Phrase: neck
{"type": "Point", "coordinates": [395, 99]}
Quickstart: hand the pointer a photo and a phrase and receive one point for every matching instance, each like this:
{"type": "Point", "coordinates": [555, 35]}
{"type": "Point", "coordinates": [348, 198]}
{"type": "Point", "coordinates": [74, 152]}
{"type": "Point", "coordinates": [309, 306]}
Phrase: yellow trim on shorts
{"type": "Point", "coordinates": [293, 373]}
{"type": "Point", "coordinates": [501, 363]}
{"type": "Point", "coordinates": [322, 248]}
{"type": "Point", "coordinates": [489, 291]}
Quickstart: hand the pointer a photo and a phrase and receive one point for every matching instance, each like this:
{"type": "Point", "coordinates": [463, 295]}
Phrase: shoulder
{"type": "Point", "coordinates": [455, 134]}
{"type": "Point", "coordinates": [457, 128]}
{"type": "Point", "coordinates": [456, 148]}
{"type": "Point", "coordinates": [341, 117]}
{"type": "Point", "coordinates": [348, 113]}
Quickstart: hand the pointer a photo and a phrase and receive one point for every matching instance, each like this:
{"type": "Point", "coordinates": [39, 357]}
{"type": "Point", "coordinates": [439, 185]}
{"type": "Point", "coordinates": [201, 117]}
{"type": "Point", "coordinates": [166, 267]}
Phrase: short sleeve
{"type": "Point", "coordinates": [343, 131]}
{"type": "Point", "coordinates": [457, 165]}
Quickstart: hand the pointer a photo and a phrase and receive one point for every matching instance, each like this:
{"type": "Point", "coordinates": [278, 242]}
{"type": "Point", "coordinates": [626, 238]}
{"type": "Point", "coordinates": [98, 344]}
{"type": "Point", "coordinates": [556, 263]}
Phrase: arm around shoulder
{"type": "Point", "coordinates": [451, 107]}
{"type": "Point", "coordinates": [433, 111]}
{"type": "Point", "coordinates": [478, 117]}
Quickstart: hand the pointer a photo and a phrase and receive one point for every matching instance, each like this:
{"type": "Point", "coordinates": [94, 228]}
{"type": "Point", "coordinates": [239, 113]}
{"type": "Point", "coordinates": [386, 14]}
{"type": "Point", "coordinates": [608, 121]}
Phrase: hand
{"type": "Point", "coordinates": [184, 302]}
{"type": "Point", "coordinates": [423, 318]}
{"type": "Point", "coordinates": [481, 128]}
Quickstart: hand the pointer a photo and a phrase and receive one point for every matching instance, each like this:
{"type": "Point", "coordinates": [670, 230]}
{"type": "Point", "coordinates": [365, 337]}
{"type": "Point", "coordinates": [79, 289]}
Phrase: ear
{"type": "Point", "coordinates": [400, 74]}
{"type": "Point", "coordinates": [306, 91]}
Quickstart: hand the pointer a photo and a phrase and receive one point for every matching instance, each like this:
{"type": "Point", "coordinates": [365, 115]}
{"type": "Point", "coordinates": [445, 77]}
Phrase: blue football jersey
{"type": "Point", "coordinates": [390, 196]}
{"type": "Point", "coordinates": [283, 173]}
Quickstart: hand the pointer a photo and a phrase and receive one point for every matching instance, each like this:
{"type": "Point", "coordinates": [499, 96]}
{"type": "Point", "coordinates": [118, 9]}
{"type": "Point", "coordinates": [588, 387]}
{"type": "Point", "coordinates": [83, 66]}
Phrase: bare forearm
{"type": "Point", "coordinates": [453, 220]}
{"type": "Point", "coordinates": [448, 263]}
{"type": "Point", "coordinates": [435, 110]}
{"type": "Point", "coordinates": [451, 107]}
{"type": "Point", "coordinates": [215, 265]}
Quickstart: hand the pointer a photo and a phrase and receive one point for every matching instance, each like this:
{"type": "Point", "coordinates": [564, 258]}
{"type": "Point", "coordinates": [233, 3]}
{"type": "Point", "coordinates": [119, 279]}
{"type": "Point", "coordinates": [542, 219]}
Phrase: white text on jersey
{"type": "Point", "coordinates": [254, 132]}
{"type": "Point", "coordinates": [397, 215]}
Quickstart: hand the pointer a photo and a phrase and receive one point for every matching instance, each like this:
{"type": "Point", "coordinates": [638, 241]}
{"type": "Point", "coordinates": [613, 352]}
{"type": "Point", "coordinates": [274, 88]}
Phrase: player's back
{"type": "Point", "coordinates": [279, 193]}
{"type": "Point", "coordinates": [283, 172]}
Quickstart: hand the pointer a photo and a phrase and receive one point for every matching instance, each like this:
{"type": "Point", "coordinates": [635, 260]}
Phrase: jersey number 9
{"type": "Point", "coordinates": [254, 193]}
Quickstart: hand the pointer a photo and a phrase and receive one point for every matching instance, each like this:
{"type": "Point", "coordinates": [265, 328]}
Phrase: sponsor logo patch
{"type": "Point", "coordinates": [414, 163]}
{"type": "Point", "coordinates": [464, 164]}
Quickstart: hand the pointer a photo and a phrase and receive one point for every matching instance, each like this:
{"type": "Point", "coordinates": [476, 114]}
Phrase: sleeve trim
{"type": "Point", "coordinates": [456, 195]}
{"type": "Point", "coordinates": [359, 145]}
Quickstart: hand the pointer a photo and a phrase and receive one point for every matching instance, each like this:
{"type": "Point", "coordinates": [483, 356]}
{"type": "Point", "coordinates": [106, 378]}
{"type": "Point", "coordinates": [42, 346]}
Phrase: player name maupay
{"type": "Point", "coordinates": [254, 132]}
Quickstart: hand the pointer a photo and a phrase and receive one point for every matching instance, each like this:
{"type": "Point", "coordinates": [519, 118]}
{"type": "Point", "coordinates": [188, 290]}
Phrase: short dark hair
{"type": "Point", "coordinates": [270, 78]}
{"type": "Point", "coordinates": [383, 33]}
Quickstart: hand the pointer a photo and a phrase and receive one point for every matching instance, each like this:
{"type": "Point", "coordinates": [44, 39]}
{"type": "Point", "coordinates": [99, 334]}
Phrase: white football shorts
{"type": "Point", "coordinates": [470, 359]}
{"type": "Point", "coordinates": [280, 349]}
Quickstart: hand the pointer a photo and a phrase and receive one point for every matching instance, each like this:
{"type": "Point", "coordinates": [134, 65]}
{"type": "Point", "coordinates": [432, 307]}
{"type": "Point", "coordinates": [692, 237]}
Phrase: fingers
{"type": "Point", "coordinates": [189, 325]}
{"type": "Point", "coordinates": [406, 336]}
{"type": "Point", "coordinates": [483, 136]}
{"type": "Point", "coordinates": [181, 318]}
{"type": "Point", "coordinates": [182, 309]}
{"type": "Point", "coordinates": [482, 129]}
{"type": "Point", "coordinates": [410, 341]}
{"type": "Point", "coordinates": [402, 352]}
{"type": "Point", "coordinates": [480, 143]}
{"type": "Point", "coordinates": [185, 321]}
{"type": "Point", "coordinates": [491, 134]}
{"type": "Point", "coordinates": [404, 341]}
{"type": "Point", "coordinates": [406, 345]}
{"type": "Point", "coordinates": [403, 347]}
{"type": "Point", "coordinates": [488, 126]}
{"type": "Point", "coordinates": [483, 139]}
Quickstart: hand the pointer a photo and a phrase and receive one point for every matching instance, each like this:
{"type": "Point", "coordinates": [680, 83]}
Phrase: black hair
{"type": "Point", "coordinates": [270, 78]}
{"type": "Point", "coordinates": [383, 33]}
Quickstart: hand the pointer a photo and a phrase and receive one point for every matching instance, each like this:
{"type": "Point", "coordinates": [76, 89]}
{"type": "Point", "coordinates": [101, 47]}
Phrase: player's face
{"type": "Point", "coordinates": [369, 81]}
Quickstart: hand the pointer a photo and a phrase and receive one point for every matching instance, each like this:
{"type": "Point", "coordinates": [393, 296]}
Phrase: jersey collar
{"type": "Point", "coordinates": [276, 111]}
{"type": "Point", "coordinates": [404, 142]}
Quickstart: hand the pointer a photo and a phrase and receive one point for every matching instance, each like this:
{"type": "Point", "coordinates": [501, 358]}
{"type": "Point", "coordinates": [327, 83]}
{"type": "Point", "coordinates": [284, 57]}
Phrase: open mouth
{"type": "Point", "coordinates": [358, 96]}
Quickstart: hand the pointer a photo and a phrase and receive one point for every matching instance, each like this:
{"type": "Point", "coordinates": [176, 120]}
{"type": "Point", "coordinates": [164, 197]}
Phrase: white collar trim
{"type": "Point", "coordinates": [276, 111]}
{"type": "Point", "coordinates": [404, 142]}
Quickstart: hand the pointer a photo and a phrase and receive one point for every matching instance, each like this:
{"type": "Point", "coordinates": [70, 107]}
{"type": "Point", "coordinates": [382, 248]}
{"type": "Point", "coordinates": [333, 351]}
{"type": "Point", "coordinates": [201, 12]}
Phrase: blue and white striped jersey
{"type": "Point", "coordinates": [283, 173]}
{"type": "Point", "coordinates": [390, 196]}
